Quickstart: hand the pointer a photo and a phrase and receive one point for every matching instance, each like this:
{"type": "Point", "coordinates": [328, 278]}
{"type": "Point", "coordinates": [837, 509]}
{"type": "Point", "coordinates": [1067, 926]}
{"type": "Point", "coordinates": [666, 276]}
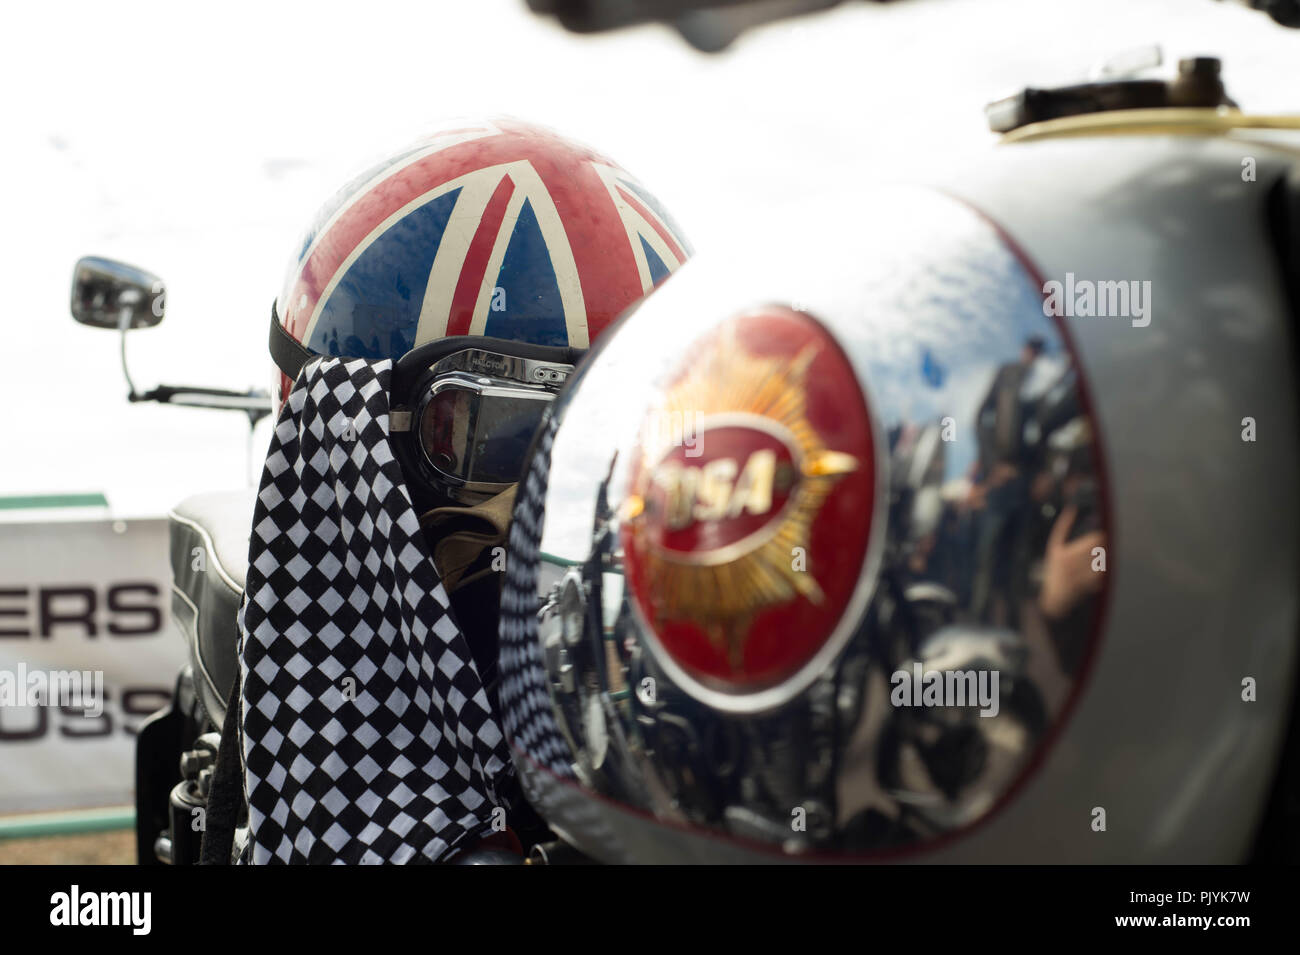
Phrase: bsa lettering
{"type": "Point", "coordinates": [712, 492]}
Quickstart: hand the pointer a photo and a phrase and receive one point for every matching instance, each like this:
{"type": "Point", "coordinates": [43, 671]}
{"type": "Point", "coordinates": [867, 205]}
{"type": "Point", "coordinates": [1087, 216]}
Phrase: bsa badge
{"type": "Point", "coordinates": [746, 522]}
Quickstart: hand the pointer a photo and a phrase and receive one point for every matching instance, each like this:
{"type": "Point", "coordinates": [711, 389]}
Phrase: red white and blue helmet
{"type": "Point", "coordinates": [495, 228]}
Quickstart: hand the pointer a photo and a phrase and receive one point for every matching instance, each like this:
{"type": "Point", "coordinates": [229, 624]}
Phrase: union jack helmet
{"type": "Point", "coordinates": [496, 228]}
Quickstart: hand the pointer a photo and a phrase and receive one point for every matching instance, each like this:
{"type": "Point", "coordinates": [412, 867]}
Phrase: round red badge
{"type": "Point", "coordinates": [750, 504]}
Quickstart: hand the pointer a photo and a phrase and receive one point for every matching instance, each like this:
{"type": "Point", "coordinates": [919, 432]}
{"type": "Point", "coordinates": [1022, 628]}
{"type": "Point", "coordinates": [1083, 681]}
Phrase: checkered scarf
{"type": "Point", "coordinates": [525, 703]}
{"type": "Point", "coordinates": [367, 734]}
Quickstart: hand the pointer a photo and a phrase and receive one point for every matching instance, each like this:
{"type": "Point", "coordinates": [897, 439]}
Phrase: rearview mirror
{"type": "Point", "coordinates": [109, 294]}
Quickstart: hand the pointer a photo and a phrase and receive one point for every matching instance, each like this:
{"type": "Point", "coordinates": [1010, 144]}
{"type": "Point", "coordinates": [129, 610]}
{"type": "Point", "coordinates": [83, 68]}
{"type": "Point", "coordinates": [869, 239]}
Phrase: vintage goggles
{"type": "Point", "coordinates": [472, 405]}
{"type": "Point", "coordinates": [464, 408]}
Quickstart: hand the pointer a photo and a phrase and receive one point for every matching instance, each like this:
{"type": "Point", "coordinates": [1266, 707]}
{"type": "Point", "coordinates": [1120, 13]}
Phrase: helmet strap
{"type": "Point", "coordinates": [287, 352]}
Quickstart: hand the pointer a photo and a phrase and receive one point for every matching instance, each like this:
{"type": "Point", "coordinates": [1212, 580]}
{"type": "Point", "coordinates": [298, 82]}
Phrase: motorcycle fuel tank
{"type": "Point", "coordinates": [955, 522]}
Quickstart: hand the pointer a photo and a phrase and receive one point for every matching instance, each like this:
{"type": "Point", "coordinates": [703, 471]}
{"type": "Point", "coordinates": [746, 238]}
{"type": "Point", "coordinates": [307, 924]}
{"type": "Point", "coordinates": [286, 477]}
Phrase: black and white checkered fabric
{"type": "Point", "coordinates": [367, 734]}
{"type": "Point", "coordinates": [525, 704]}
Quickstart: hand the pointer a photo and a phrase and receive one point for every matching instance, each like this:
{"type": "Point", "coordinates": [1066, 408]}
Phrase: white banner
{"type": "Point", "coordinates": [85, 595]}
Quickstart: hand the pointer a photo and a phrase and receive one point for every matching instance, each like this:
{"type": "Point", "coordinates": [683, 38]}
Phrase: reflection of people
{"type": "Point", "coordinates": [1072, 571]}
{"type": "Point", "coordinates": [1068, 567]}
{"type": "Point", "coordinates": [1002, 413]}
{"type": "Point", "coordinates": [999, 491]}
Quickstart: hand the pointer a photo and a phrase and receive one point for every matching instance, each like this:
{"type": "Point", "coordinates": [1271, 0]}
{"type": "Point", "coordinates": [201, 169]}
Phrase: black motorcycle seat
{"type": "Point", "coordinates": [209, 555]}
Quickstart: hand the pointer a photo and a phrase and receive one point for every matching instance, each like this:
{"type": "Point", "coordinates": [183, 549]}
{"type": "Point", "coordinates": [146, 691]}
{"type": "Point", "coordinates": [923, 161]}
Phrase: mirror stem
{"type": "Point", "coordinates": [123, 326]}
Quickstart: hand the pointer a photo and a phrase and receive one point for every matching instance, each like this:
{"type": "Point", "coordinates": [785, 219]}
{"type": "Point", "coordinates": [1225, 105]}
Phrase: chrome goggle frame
{"type": "Point", "coordinates": [458, 397]}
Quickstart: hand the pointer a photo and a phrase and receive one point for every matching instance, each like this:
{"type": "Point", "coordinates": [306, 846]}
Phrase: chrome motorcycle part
{"type": "Point", "coordinates": [184, 835]}
{"type": "Point", "coordinates": [1198, 84]}
{"type": "Point", "coordinates": [111, 294]}
{"type": "Point", "coordinates": [1035, 497]}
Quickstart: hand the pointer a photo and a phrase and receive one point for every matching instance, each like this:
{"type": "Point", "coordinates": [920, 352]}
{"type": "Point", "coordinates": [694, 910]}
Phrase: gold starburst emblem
{"type": "Point", "coordinates": [785, 478]}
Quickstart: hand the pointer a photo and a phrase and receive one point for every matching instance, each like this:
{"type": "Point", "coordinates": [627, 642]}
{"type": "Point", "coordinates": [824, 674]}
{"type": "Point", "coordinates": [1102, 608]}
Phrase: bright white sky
{"type": "Point", "coordinates": [197, 140]}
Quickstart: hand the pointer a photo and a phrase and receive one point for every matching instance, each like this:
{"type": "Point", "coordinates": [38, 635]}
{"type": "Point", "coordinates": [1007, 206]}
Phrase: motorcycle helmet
{"type": "Point", "coordinates": [483, 259]}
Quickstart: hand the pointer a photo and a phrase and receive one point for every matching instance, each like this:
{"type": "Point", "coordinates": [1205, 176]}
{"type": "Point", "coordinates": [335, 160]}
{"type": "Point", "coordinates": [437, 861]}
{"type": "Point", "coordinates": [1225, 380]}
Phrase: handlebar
{"type": "Point", "coordinates": [255, 403]}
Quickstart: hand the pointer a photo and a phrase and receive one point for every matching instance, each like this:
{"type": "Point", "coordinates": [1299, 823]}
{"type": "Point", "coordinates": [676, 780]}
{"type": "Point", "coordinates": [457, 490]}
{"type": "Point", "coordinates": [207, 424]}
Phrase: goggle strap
{"type": "Point", "coordinates": [290, 355]}
{"type": "Point", "coordinates": [287, 352]}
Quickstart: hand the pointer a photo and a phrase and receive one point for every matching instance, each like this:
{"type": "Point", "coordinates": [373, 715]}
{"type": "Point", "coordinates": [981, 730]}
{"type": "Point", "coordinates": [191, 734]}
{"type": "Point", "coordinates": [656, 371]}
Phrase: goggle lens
{"type": "Point", "coordinates": [479, 438]}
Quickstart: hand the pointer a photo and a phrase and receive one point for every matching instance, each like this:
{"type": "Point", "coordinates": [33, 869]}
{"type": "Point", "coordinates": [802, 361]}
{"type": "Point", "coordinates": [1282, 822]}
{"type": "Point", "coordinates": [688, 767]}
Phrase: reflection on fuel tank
{"type": "Point", "coordinates": [988, 568]}
{"type": "Point", "coordinates": [977, 568]}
